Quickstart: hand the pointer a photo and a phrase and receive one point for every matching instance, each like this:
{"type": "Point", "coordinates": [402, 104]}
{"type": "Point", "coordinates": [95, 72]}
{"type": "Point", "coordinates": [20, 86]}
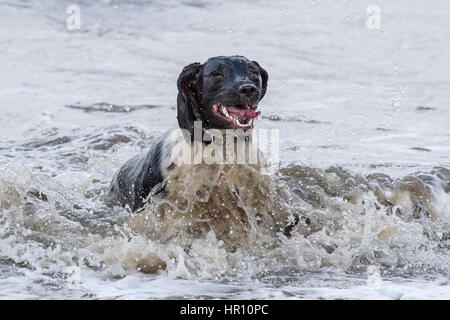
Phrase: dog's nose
{"type": "Point", "coordinates": [247, 90]}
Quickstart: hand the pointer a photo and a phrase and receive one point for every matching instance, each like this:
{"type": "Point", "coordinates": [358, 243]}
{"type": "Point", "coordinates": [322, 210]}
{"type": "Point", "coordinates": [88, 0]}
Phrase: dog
{"type": "Point", "coordinates": [222, 93]}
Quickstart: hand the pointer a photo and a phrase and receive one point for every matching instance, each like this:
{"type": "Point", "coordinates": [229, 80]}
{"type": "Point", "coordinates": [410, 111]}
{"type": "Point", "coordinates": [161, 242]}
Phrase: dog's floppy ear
{"type": "Point", "coordinates": [264, 77]}
{"type": "Point", "coordinates": [188, 76]}
{"type": "Point", "coordinates": [187, 96]}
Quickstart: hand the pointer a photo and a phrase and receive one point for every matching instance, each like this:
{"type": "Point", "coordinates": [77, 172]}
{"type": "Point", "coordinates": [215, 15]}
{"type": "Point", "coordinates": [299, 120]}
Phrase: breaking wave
{"type": "Point", "coordinates": [228, 221]}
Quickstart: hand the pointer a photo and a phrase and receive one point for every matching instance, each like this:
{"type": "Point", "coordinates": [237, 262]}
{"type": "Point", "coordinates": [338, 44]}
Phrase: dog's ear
{"type": "Point", "coordinates": [264, 77]}
{"type": "Point", "coordinates": [188, 96]}
{"type": "Point", "coordinates": [187, 77]}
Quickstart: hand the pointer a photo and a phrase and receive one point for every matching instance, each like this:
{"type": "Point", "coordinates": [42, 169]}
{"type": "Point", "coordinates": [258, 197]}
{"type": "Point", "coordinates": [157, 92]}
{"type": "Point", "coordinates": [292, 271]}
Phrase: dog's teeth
{"type": "Point", "coordinates": [234, 120]}
{"type": "Point", "coordinates": [225, 112]}
{"type": "Point", "coordinates": [246, 125]}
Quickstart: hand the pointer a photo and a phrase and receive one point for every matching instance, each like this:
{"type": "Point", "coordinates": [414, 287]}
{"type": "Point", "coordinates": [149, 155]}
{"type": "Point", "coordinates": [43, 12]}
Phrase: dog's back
{"type": "Point", "coordinates": [132, 184]}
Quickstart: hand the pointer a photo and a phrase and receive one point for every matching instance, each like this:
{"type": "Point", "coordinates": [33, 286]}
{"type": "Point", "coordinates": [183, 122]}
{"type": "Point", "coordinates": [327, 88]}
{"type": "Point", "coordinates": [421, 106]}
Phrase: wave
{"type": "Point", "coordinates": [220, 220]}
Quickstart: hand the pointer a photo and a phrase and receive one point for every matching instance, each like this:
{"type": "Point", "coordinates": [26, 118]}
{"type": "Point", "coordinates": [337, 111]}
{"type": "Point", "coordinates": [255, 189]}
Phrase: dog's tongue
{"type": "Point", "coordinates": [251, 114]}
{"type": "Point", "coordinates": [243, 115]}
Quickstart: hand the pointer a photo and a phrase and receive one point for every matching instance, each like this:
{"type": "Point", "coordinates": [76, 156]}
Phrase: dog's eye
{"type": "Point", "coordinates": [217, 75]}
{"type": "Point", "coordinates": [255, 74]}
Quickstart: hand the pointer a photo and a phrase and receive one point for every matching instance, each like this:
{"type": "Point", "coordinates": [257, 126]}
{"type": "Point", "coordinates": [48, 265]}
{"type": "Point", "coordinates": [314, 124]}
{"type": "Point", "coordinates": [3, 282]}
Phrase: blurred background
{"type": "Point", "coordinates": [340, 92]}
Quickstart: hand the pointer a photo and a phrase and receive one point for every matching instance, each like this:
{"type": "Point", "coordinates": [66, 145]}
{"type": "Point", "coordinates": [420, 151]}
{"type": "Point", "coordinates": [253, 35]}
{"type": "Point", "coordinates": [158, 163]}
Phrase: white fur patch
{"type": "Point", "coordinates": [177, 151]}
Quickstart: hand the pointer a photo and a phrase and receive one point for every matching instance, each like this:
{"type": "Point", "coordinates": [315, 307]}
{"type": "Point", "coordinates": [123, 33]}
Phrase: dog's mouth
{"type": "Point", "coordinates": [239, 117]}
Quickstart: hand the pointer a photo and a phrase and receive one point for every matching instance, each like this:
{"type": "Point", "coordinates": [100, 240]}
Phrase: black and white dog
{"type": "Point", "coordinates": [222, 93]}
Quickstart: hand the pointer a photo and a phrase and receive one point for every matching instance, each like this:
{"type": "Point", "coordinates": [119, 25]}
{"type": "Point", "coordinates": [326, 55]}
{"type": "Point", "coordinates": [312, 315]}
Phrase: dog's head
{"type": "Point", "coordinates": [222, 93]}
